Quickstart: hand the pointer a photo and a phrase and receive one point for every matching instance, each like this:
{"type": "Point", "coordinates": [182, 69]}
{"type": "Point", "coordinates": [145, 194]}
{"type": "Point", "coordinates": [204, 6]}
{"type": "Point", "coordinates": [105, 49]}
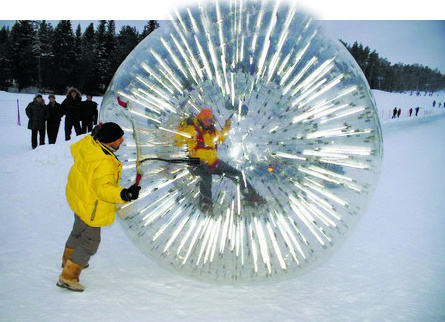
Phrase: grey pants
{"type": "Point", "coordinates": [222, 168]}
{"type": "Point", "coordinates": [84, 240]}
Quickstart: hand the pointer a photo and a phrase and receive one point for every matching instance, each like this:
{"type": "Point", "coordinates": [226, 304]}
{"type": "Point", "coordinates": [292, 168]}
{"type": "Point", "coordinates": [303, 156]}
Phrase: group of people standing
{"type": "Point", "coordinates": [397, 112]}
{"type": "Point", "coordinates": [82, 115]}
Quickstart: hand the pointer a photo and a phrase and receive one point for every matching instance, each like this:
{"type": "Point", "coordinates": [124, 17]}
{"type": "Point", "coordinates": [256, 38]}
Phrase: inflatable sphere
{"type": "Point", "coordinates": [255, 139]}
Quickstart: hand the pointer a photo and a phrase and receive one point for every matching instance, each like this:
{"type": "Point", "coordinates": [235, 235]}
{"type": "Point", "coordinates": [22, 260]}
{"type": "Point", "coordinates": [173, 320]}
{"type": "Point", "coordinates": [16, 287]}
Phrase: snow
{"type": "Point", "coordinates": [392, 267]}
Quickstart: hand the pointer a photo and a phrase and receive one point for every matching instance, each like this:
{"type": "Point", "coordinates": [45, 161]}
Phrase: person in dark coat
{"type": "Point", "coordinates": [37, 113]}
{"type": "Point", "coordinates": [72, 109]}
{"type": "Point", "coordinates": [55, 113]}
{"type": "Point", "coordinates": [89, 114]}
{"type": "Point", "coordinates": [394, 113]}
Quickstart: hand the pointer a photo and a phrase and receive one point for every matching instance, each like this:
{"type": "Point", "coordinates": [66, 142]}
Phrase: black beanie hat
{"type": "Point", "coordinates": [109, 132]}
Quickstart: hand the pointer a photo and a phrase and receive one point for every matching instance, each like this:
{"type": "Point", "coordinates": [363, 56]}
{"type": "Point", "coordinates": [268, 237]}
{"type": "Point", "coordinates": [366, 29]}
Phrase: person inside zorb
{"type": "Point", "coordinates": [202, 139]}
{"type": "Point", "coordinates": [307, 139]}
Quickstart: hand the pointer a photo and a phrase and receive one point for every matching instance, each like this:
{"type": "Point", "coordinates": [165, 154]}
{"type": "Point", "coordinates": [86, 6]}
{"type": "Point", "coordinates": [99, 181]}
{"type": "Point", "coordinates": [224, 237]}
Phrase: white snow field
{"type": "Point", "coordinates": [391, 268]}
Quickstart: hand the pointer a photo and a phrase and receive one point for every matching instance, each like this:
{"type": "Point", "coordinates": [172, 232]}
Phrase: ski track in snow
{"type": "Point", "coordinates": [390, 268]}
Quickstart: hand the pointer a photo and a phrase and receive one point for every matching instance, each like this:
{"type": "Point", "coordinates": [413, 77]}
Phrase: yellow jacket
{"type": "Point", "coordinates": [93, 183]}
{"type": "Point", "coordinates": [202, 144]}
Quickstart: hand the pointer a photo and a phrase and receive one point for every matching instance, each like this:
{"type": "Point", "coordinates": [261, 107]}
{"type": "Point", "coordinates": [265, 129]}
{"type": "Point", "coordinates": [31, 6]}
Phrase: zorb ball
{"type": "Point", "coordinates": [295, 171]}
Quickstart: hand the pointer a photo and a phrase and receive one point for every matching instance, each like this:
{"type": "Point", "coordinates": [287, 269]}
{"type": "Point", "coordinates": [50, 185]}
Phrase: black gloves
{"type": "Point", "coordinates": [131, 193]}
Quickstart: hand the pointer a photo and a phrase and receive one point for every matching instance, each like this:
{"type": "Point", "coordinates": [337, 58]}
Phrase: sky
{"type": "Point", "coordinates": [405, 41]}
{"type": "Point", "coordinates": [396, 31]}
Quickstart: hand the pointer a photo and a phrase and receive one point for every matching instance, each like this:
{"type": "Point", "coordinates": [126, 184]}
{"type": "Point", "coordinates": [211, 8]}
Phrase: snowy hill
{"type": "Point", "coordinates": [430, 104]}
{"type": "Point", "coordinates": [391, 267]}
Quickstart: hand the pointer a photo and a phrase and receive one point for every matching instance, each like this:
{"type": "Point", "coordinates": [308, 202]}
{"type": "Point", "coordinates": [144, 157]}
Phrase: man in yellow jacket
{"type": "Point", "coordinates": [202, 139]}
{"type": "Point", "coordinates": [92, 192]}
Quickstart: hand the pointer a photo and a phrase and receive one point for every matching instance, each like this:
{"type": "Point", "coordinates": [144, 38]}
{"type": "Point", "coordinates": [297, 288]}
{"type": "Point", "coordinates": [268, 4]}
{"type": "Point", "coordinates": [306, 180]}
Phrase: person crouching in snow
{"type": "Point", "coordinates": [92, 193]}
{"type": "Point", "coordinates": [203, 144]}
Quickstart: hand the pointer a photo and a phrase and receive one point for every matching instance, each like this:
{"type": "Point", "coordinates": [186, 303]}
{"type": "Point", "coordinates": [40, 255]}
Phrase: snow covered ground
{"type": "Point", "coordinates": [391, 268]}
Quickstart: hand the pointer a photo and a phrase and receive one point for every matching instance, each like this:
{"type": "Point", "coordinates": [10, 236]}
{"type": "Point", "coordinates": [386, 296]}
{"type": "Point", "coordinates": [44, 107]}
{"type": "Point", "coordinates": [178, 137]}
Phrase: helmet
{"type": "Point", "coordinates": [205, 113]}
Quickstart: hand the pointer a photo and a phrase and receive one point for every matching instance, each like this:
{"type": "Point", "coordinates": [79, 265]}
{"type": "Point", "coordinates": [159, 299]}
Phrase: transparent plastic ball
{"type": "Point", "coordinates": [279, 186]}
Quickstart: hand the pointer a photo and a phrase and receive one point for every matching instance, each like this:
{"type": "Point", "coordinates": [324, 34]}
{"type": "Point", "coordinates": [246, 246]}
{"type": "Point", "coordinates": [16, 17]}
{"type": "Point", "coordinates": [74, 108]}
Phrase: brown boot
{"type": "Point", "coordinates": [69, 278]}
{"type": "Point", "coordinates": [66, 255]}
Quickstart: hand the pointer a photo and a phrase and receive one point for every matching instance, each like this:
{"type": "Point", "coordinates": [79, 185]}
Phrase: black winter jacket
{"type": "Point", "coordinates": [90, 111]}
{"type": "Point", "coordinates": [55, 112]}
{"type": "Point", "coordinates": [37, 113]}
{"type": "Point", "coordinates": [72, 108]}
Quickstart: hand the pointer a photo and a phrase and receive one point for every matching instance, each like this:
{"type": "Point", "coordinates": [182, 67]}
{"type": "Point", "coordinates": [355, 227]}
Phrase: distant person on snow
{"type": "Point", "coordinates": [55, 113]}
{"type": "Point", "coordinates": [410, 111]}
{"type": "Point", "coordinates": [72, 109]}
{"type": "Point", "coordinates": [399, 112]}
{"type": "Point", "coordinates": [37, 113]}
{"type": "Point", "coordinates": [92, 193]}
{"type": "Point", "coordinates": [89, 114]}
{"type": "Point", "coordinates": [394, 113]}
{"type": "Point", "coordinates": [417, 110]}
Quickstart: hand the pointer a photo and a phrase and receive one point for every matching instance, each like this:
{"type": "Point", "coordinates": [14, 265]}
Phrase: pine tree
{"type": "Point", "coordinates": [149, 28]}
{"type": "Point", "coordinates": [64, 56]}
{"type": "Point", "coordinates": [100, 71]}
{"type": "Point", "coordinates": [127, 40]}
{"type": "Point", "coordinates": [22, 54]}
{"type": "Point", "coordinates": [372, 69]}
{"type": "Point", "coordinates": [46, 70]}
{"type": "Point", "coordinates": [77, 70]}
{"type": "Point", "coordinates": [88, 60]}
{"type": "Point", "coordinates": [5, 73]}
{"type": "Point", "coordinates": [110, 48]}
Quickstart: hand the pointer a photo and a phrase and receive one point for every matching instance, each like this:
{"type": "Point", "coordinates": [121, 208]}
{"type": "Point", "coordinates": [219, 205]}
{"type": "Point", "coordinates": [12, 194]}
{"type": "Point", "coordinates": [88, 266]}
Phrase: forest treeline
{"type": "Point", "coordinates": [381, 74]}
{"type": "Point", "coordinates": [35, 54]}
